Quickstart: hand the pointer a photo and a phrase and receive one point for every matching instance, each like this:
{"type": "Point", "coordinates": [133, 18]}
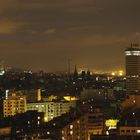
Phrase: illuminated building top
{"type": "Point", "coordinates": [134, 50]}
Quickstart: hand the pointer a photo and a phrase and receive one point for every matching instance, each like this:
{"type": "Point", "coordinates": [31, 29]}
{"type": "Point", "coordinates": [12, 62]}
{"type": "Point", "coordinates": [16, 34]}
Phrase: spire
{"type": "Point", "coordinates": [88, 74]}
{"type": "Point", "coordinates": [75, 75]}
{"type": "Point", "coordinates": [75, 70]}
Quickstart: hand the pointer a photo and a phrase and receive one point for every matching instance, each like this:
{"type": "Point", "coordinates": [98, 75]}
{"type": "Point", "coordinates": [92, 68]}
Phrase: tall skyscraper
{"type": "Point", "coordinates": [132, 55]}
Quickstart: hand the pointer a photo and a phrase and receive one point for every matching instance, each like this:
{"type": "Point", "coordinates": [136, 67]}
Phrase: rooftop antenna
{"type": "Point", "coordinates": [2, 64]}
{"type": "Point", "coordinates": [137, 39]}
{"type": "Point", "coordinates": [69, 66]}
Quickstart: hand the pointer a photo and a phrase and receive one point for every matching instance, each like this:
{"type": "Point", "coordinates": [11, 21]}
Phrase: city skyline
{"type": "Point", "coordinates": [42, 35]}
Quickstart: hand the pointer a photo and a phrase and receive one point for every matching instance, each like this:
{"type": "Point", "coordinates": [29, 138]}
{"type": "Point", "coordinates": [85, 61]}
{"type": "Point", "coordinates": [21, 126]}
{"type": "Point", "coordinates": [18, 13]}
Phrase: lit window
{"type": "Point", "coordinates": [71, 126]}
{"type": "Point", "coordinates": [45, 119]}
{"type": "Point", "coordinates": [71, 132]}
{"type": "Point", "coordinates": [48, 133]}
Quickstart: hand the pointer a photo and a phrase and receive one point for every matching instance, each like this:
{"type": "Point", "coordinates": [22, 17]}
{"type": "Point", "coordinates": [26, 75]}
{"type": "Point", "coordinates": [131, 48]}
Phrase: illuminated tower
{"type": "Point", "coordinates": [132, 55]}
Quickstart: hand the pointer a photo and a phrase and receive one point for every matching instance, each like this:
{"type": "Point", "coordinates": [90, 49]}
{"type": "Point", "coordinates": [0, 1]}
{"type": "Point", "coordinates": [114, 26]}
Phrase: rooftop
{"type": "Point", "coordinates": [133, 47]}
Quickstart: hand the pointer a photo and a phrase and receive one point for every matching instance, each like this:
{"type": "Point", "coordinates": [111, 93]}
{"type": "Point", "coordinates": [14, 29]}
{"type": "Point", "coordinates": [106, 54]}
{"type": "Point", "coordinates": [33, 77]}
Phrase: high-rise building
{"type": "Point", "coordinates": [132, 55]}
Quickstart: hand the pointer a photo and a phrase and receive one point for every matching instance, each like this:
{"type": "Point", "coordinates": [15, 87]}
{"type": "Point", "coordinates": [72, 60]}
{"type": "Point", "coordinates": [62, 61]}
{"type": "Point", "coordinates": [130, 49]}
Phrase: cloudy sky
{"type": "Point", "coordinates": [43, 34]}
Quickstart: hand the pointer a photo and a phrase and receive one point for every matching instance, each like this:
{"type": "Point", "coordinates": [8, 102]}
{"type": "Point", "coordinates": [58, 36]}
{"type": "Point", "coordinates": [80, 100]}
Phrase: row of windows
{"type": "Point", "coordinates": [19, 111]}
{"type": "Point", "coordinates": [20, 101]}
{"type": "Point", "coordinates": [14, 105]}
{"type": "Point", "coordinates": [18, 108]}
{"type": "Point", "coordinates": [128, 131]}
{"type": "Point", "coordinates": [47, 109]}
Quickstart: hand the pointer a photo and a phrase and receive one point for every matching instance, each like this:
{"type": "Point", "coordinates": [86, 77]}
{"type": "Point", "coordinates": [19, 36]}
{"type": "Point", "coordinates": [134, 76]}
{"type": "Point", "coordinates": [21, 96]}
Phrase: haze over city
{"type": "Point", "coordinates": [69, 70]}
{"type": "Point", "coordinates": [44, 34]}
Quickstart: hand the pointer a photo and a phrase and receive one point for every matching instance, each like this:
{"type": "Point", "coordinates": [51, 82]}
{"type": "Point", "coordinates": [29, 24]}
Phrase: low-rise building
{"type": "Point", "coordinates": [129, 124]}
{"type": "Point", "coordinates": [97, 94]}
{"type": "Point", "coordinates": [76, 126]}
{"type": "Point", "coordinates": [132, 101]}
{"type": "Point", "coordinates": [32, 95]}
{"type": "Point", "coordinates": [52, 109]}
{"type": "Point", "coordinates": [14, 105]}
{"type": "Point", "coordinates": [5, 132]}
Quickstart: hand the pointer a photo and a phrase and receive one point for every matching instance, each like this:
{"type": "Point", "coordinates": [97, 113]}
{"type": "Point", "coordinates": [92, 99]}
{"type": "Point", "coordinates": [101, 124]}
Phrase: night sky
{"type": "Point", "coordinates": [43, 34]}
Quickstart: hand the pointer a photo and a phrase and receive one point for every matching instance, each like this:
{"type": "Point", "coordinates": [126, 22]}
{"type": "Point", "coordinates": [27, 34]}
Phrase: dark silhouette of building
{"type": "Point", "coordinates": [75, 75]}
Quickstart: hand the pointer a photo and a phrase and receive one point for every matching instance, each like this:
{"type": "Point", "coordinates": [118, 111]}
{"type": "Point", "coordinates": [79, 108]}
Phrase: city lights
{"type": "Point", "coordinates": [111, 123]}
{"type": "Point", "coordinates": [69, 71]}
{"type": "Point", "coordinates": [117, 73]}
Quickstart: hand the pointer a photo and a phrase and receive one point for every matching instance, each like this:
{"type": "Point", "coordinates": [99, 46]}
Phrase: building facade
{"type": "Point", "coordinates": [129, 124]}
{"type": "Point", "coordinates": [82, 128]}
{"type": "Point", "coordinates": [132, 55]}
{"type": "Point", "coordinates": [133, 101]}
{"type": "Point", "coordinates": [14, 105]}
{"type": "Point", "coordinates": [97, 94]}
{"type": "Point", "coordinates": [51, 109]}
